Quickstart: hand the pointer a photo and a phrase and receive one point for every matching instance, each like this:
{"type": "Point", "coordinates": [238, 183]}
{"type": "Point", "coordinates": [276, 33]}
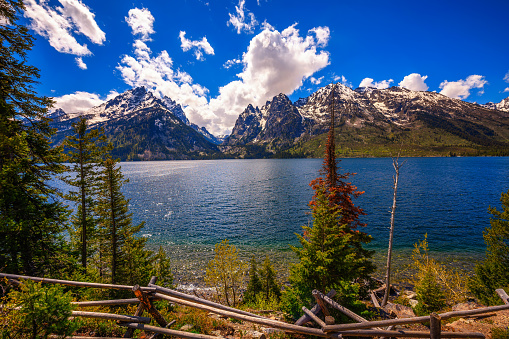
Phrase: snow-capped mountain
{"type": "Point", "coordinates": [501, 106]}
{"type": "Point", "coordinates": [142, 126]}
{"type": "Point", "coordinates": [279, 123]}
{"type": "Point", "coordinates": [130, 102]}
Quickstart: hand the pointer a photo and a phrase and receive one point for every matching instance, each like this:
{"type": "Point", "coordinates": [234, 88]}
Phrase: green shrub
{"type": "Point", "coordinates": [500, 333]}
{"type": "Point", "coordinates": [492, 273]}
{"type": "Point", "coordinates": [38, 311]}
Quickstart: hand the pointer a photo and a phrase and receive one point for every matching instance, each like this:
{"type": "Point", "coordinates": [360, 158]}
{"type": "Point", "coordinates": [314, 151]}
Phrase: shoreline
{"type": "Point", "coordinates": [189, 262]}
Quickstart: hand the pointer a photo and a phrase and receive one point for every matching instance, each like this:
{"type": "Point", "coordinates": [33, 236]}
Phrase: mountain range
{"type": "Point", "coordinates": [370, 122]}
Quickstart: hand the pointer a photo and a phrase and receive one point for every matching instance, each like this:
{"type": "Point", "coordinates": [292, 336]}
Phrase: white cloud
{"type": "Point", "coordinates": [83, 19]}
{"type": "Point", "coordinates": [506, 77]}
{"type": "Point", "coordinates": [141, 22]}
{"type": "Point", "coordinates": [275, 62]}
{"type": "Point", "coordinates": [79, 101]}
{"type": "Point", "coordinates": [57, 25]}
{"type": "Point", "coordinates": [80, 63]}
{"type": "Point", "coordinates": [506, 90]}
{"type": "Point", "coordinates": [199, 46]}
{"type": "Point", "coordinates": [414, 82]}
{"type": "Point", "coordinates": [316, 81]}
{"type": "Point", "coordinates": [232, 62]}
{"type": "Point", "coordinates": [239, 20]}
{"type": "Point", "coordinates": [322, 35]}
{"type": "Point", "coordinates": [368, 82]}
{"type": "Point", "coordinates": [461, 89]}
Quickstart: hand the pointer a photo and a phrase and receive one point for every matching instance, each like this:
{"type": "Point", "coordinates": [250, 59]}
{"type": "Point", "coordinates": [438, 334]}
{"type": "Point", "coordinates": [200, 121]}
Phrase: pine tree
{"type": "Point", "coordinates": [115, 221]}
{"type": "Point", "coordinates": [331, 255]}
{"type": "Point", "coordinates": [270, 288]}
{"type": "Point", "coordinates": [31, 219]}
{"type": "Point", "coordinates": [86, 149]}
{"type": "Point", "coordinates": [254, 285]}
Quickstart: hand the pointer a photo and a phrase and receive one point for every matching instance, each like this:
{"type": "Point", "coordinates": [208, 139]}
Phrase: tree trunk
{"type": "Point", "coordinates": [397, 166]}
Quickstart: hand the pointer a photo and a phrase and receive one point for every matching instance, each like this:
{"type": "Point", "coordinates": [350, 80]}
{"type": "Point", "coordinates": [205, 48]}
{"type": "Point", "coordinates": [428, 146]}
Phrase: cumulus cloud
{"type": "Point", "coordinates": [58, 24]}
{"type": "Point", "coordinates": [506, 77]}
{"type": "Point", "coordinates": [506, 90]}
{"type": "Point", "coordinates": [240, 21]}
{"type": "Point", "coordinates": [79, 102]}
{"type": "Point", "coordinates": [342, 79]}
{"type": "Point", "coordinates": [414, 82]}
{"type": "Point", "coordinates": [275, 62]}
{"type": "Point", "coordinates": [141, 22]}
{"type": "Point", "coordinates": [199, 46]}
{"type": "Point", "coordinates": [80, 63]}
{"type": "Point", "coordinates": [461, 89]}
{"type": "Point", "coordinates": [369, 82]}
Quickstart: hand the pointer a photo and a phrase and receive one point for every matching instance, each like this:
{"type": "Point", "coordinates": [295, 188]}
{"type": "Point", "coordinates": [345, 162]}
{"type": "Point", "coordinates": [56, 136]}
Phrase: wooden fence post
{"type": "Point", "coordinates": [139, 311]}
{"type": "Point", "coordinates": [329, 320]}
{"type": "Point", "coordinates": [435, 326]}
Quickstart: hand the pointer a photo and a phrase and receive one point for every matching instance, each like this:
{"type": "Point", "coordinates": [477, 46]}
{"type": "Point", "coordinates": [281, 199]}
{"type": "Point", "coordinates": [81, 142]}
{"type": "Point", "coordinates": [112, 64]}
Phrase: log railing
{"type": "Point", "coordinates": [327, 328]}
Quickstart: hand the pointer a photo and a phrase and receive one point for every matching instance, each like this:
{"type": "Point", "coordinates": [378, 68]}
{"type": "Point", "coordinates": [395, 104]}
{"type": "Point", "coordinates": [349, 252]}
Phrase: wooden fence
{"type": "Point", "coordinates": [327, 328]}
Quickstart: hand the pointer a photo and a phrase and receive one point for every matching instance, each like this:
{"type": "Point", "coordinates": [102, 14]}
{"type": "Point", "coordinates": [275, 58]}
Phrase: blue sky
{"type": "Point", "coordinates": [215, 57]}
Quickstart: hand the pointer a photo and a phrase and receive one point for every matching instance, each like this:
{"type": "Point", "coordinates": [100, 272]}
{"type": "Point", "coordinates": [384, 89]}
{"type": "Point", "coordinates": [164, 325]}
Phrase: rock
{"type": "Point", "coordinates": [186, 327]}
{"type": "Point", "coordinates": [400, 311]}
{"type": "Point", "coordinates": [256, 334]}
{"type": "Point", "coordinates": [216, 333]}
{"type": "Point", "coordinates": [413, 302]}
{"type": "Point", "coordinates": [409, 294]}
{"type": "Point", "coordinates": [466, 306]}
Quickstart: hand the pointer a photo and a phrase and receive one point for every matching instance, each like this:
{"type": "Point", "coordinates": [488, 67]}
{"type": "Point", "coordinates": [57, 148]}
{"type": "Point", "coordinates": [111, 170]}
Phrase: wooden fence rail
{"type": "Point", "coordinates": [363, 327]}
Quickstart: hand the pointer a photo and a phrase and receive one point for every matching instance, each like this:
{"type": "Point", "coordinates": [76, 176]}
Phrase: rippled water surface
{"type": "Point", "coordinates": [259, 205]}
{"type": "Point", "coordinates": [262, 203]}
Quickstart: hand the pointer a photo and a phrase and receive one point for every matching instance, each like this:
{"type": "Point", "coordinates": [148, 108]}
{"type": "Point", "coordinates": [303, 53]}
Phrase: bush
{"type": "Point", "coordinates": [225, 273]}
{"type": "Point", "coordinates": [37, 312]}
{"type": "Point", "coordinates": [492, 273]}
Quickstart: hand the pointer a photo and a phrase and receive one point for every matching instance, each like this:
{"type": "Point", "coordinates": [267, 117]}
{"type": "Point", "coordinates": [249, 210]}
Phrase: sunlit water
{"type": "Point", "coordinates": [259, 205]}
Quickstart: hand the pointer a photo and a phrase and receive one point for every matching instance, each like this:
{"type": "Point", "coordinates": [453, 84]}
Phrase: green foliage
{"type": "Point", "coordinates": [270, 288]}
{"type": "Point", "coordinates": [254, 285]}
{"type": "Point", "coordinates": [31, 219]}
{"type": "Point", "coordinates": [331, 252]}
{"type": "Point", "coordinates": [500, 333]}
{"type": "Point", "coordinates": [225, 273]}
{"type": "Point", "coordinates": [492, 273]}
{"type": "Point", "coordinates": [262, 285]}
{"type": "Point", "coordinates": [85, 151]}
{"type": "Point", "coordinates": [40, 311]}
{"type": "Point", "coordinates": [430, 295]}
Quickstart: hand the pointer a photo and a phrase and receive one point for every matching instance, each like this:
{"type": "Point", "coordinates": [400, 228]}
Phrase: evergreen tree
{"type": "Point", "coordinates": [86, 149]}
{"type": "Point", "coordinates": [31, 218]}
{"type": "Point", "coordinates": [331, 255]}
{"type": "Point", "coordinates": [270, 287]}
{"type": "Point", "coordinates": [123, 257]}
{"type": "Point", "coordinates": [492, 273]}
{"type": "Point", "coordinates": [115, 221]}
{"type": "Point", "coordinates": [254, 285]}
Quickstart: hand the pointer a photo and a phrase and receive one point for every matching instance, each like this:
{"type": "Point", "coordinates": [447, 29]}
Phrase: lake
{"type": "Point", "coordinates": [259, 205]}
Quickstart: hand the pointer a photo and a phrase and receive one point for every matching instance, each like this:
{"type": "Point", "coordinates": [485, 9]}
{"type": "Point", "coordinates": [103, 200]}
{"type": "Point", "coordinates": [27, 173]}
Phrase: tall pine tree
{"type": "Point", "coordinates": [31, 219]}
{"type": "Point", "coordinates": [86, 150]}
{"type": "Point", "coordinates": [115, 222]}
{"type": "Point", "coordinates": [332, 253]}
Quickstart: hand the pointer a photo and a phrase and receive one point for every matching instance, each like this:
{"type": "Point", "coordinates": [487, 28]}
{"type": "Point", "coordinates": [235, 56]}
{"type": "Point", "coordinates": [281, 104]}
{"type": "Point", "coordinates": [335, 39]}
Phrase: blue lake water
{"type": "Point", "coordinates": [262, 203]}
{"type": "Point", "coordinates": [259, 205]}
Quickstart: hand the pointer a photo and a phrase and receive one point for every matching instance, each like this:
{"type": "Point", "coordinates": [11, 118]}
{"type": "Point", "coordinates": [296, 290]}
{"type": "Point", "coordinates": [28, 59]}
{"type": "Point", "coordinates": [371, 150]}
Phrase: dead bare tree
{"type": "Point", "coordinates": [397, 166]}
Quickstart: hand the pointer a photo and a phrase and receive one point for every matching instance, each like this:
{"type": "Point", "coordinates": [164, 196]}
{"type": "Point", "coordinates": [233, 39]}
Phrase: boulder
{"type": "Point", "coordinates": [400, 311]}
